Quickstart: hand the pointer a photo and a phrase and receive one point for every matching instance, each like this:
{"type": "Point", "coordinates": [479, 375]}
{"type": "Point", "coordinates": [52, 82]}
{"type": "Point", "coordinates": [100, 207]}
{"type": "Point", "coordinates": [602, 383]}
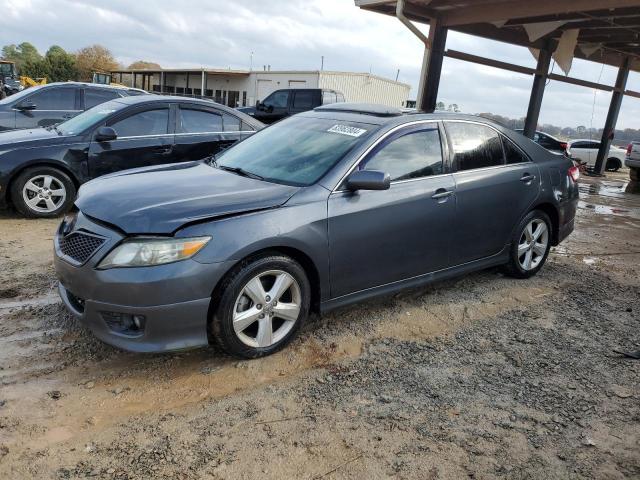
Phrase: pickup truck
{"type": "Point", "coordinates": [632, 160]}
{"type": "Point", "coordinates": [289, 101]}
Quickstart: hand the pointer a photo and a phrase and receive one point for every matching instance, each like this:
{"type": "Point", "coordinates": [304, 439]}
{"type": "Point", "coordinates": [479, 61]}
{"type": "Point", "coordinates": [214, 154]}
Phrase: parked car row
{"type": "Point", "coordinates": [583, 151]}
{"type": "Point", "coordinates": [41, 169]}
{"type": "Point", "coordinates": [320, 210]}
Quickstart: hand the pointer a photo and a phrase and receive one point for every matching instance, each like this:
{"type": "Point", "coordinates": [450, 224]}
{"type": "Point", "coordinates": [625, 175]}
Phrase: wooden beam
{"type": "Point", "coordinates": [508, 10]}
{"type": "Point", "coordinates": [489, 62]}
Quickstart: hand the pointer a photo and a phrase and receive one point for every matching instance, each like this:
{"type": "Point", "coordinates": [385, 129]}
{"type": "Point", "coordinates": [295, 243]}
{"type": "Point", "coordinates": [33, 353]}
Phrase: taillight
{"type": "Point", "coordinates": [629, 148]}
{"type": "Point", "coordinates": [563, 145]}
{"type": "Point", "coordinates": [574, 173]}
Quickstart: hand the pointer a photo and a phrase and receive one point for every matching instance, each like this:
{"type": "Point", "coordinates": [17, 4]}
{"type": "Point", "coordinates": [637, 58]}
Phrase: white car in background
{"type": "Point", "coordinates": [586, 152]}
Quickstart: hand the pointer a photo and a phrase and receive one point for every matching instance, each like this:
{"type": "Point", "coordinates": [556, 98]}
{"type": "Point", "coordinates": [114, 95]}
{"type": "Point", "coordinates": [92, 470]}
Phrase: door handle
{"type": "Point", "coordinates": [441, 193]}
{"type": "Point", "coordinates": [526, 178]}
{"type": "Point", "coordinates": [163, 150]}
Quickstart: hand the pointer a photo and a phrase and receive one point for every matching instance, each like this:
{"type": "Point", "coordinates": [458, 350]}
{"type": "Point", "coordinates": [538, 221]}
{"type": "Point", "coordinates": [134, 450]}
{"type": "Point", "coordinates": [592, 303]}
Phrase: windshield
{"type": "Point", "coordinates": [91, 117]}
{"type": "Point", "coordinates": [297, 151]}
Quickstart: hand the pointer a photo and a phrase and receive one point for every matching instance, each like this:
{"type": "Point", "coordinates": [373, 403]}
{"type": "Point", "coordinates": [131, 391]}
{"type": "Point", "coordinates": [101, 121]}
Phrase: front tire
{"type": "Point", "coordinates": [530, 245]}
{"type": "Point", "coordinates": [42, 192]}
{"type": "Point", "coordinates": [261, 305]}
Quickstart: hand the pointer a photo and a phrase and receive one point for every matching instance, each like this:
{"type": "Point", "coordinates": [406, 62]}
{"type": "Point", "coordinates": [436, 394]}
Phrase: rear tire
{"type": "Point", "coordinates": [42, 192]}
{"type": "Point", "coordinates": [261, 305]}
{"type": "Point", "coordinates": [530, 245]}
{"type": "Point", "coordinates": [613, 165]}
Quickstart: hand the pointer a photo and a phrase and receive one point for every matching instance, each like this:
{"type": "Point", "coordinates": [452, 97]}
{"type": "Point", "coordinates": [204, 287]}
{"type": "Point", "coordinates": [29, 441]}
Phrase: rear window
{"type": "Point", "coordinates": [474, 145]}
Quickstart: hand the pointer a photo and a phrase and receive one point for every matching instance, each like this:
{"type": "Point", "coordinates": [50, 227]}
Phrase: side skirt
{"type": "Point", "coordinates": [387, 289]}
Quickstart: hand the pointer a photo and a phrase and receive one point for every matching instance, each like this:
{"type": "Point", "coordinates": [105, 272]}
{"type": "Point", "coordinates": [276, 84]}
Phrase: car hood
{"type": "Point", "coordinates": [160, 200]}
{"type": "Point", "coordinates": [11, 139]}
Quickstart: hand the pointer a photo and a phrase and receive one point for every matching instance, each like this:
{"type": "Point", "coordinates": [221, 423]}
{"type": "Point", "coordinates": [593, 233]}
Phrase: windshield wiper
{"type": "Point", "coordinates": [239, 171]}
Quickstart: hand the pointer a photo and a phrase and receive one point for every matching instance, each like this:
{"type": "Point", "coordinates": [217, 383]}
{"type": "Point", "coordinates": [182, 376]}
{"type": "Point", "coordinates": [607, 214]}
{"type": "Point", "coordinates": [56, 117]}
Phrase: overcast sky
{"type": "Point", "coordinates": [294, 34]}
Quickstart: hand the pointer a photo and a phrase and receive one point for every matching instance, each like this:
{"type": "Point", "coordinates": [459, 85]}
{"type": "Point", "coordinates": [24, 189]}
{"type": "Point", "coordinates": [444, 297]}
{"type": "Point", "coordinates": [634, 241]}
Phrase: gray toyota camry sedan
{"type": "Point", "coordinates": [321, 210]}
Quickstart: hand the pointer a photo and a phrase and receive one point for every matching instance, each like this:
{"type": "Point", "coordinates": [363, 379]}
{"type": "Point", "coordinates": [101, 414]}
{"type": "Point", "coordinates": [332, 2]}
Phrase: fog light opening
{"type": "Point", "coordinates": [125, 323]}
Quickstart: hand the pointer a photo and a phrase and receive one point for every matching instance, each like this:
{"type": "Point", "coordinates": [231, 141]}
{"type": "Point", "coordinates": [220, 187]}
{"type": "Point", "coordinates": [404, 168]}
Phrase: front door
{"type": "Point", "coordinates": [274, 107]}
{"type": "Point", "coordinates": [50, 105]}
{"type": "Point", "coordinates": [144, 139]}
{"type": "Point", "coordinates": [379, 237]}
{"type": "Point", "coordinates": [496, 184]}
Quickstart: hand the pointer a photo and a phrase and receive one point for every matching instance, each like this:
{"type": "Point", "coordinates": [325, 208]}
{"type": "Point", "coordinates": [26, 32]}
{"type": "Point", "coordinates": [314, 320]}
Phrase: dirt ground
{"type": "Point", "coordinates": [481, 377]}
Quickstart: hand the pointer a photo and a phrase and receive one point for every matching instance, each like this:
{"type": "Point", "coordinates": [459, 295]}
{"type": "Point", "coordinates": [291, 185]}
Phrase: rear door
{"type": "Point", "coordinates": [144, 139]}
{"type": "Point", "coordinates": [379, 237]}
{"type": "Point", "coordinates": [304, 100]}
{"type": "Point", "coordinates": [52, 105]}
{"type": "Point", "coordinates": [496, 183]}
{"type": "Point", "coordinates": [96, 96]}
{"type": "Point", "coordinates": [204, 131]}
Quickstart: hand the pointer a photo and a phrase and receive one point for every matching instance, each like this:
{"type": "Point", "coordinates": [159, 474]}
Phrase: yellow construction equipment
{"type": "Point", "coordinates": [27, 82]}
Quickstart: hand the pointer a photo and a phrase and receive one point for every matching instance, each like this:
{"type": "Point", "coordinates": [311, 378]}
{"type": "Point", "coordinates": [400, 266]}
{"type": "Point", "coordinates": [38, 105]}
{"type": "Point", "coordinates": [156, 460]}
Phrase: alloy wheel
{"type": "Point", "coordinates": [44, 193]}
{"type": "Point", "coordinates": [533, 244]}
{"type": "Point", "coordinates": [267, 308]}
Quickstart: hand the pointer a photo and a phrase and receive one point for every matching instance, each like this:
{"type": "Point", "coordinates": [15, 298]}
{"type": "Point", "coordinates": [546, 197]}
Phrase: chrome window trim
{"type": "Point", "coordinates": [144, 136]}
{"type": "Point", "coordinates": [182, 134]}
{"type": "Point", "coordinates": [375, 144]}
{"type": "Point", "coordinates": [38, 110]}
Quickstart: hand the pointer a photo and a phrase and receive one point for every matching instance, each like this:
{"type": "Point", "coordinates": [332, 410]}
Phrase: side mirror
{"type": "Point", "coordinates": [26, 106]}
{"type": "Point", "coordinates": [368, 180]}
{"type": "Point", "coordinates": [105, 134]}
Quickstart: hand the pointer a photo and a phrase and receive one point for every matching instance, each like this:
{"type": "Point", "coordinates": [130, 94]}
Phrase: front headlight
{"type": "Point", "coordinates": [145, 252]}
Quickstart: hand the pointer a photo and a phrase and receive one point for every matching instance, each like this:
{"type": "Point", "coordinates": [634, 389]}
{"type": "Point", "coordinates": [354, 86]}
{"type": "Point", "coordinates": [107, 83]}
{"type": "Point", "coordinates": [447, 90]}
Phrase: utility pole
{"type": "Point", "coordinates": [251, 61]}
{"type": "Point", "coordinates": [397, 74]}
{"type": "Point", "coordinates": [322, 63]}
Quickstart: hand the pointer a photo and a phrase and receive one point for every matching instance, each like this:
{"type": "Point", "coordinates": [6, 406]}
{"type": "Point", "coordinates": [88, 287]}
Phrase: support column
{"type": "Point", "coordinates": [133, 79]}
{"type": "Point", "coordinates": [162, 85]}
{"type": "Point", "coordinates": [537, 91]}
{"type": "Point", "coordinates": [430, 78]}
{"type": "Point", "coordinates": [612, 117]}
{"type": "Point", "coordinates": [202, 85]}
{"type": "Point", "coordinates": [187, 86]}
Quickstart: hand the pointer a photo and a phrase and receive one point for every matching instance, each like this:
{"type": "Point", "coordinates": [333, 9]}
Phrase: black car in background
{"type": "Point", "coordinates": [46, 105]}
{"type": "Point", "coordinates": [289, 101]}
{"type": "Point", "coordinates": [547, 141]}
{"type": "Point", "coordinates": [41, 169]}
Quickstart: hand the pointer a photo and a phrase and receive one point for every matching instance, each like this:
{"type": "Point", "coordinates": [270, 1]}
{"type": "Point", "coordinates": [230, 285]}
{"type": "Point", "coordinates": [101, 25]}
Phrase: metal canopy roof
{"type": "Point", "coordinates": [609, 30]}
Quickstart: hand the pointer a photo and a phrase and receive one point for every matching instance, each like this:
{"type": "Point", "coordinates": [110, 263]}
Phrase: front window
{"type": "Point", "coordinates": [277, 99]}
{"type": "Point", "coordinates": [89, 118]}
{"type": "Point", "coordinates": [296, 151]}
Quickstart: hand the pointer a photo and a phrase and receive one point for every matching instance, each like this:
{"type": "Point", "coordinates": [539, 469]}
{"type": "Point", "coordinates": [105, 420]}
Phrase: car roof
{"type": "Point", "coordinates": [153, 98]}
{"type": "Point", "coordinates": [376, 114]}
{"type": "Point", "coordinates": [89, 84]}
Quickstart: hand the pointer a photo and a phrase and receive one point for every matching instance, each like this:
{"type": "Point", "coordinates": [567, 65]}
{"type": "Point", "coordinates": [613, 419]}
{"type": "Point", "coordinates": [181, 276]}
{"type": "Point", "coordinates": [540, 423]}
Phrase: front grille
{"type": "Point", "coordinates": [80, 246]}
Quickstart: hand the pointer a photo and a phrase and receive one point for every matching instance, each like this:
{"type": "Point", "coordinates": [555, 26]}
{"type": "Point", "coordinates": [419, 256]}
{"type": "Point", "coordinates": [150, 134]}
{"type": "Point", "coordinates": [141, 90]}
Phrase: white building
{"type": "Point", "coordinates": [244, 88]}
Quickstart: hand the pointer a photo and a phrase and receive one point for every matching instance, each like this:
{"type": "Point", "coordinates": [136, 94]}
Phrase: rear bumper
{"type": "Point", "coordinates": [632, 163]}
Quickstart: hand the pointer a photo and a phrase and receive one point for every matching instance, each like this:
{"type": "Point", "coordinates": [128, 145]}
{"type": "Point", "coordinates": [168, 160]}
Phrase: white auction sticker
{"type": "Point", "coordinates": [347, 130]}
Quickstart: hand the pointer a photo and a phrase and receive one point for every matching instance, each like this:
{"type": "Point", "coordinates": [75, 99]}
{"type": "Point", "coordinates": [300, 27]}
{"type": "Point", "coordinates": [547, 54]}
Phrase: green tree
{"type": "Point", "coordinates": [22, 54]}
{"type": "Point", "coordinates": [60, 65]}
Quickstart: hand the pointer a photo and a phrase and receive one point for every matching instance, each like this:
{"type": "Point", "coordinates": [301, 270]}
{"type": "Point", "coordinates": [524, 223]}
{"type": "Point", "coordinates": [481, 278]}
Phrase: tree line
{"type": "Point", "coordinates": [621, 137]}
{"type": "Point", "coordinates": [58, 65]}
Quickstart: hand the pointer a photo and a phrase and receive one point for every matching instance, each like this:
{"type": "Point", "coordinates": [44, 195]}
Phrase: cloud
{"type": "Point", "coordinates": [295, 34]}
